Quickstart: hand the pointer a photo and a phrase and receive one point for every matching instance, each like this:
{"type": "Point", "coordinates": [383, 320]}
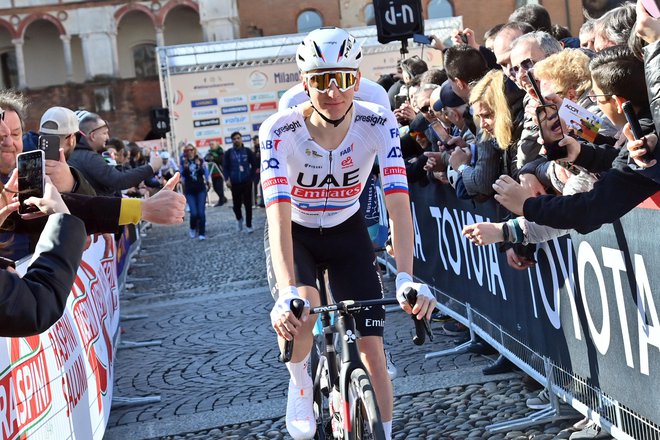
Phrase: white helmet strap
{"type": "Point", "coordinates": [334, 122]}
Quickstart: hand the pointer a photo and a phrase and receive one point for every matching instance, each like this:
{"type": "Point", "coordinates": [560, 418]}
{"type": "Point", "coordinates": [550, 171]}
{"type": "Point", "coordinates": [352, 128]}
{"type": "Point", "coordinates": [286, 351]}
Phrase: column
{"type": "Point", "coordinates": [68, 58]}
{"type": "Point", "coordinates": [160, 36]}
{"type": "Point", "coordinates": [20, 62]}
{"type": "Point", "coordinates": [115, 54]}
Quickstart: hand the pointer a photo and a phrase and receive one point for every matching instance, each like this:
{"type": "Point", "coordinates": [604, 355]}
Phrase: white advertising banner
{"type": "Point", "coordinates": [58, 385]}
{"type": "Point", "coordinates": [209, 106]}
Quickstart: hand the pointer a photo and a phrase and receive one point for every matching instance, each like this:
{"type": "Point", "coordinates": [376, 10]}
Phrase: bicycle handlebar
{"type": "Point", "coordinates": [422, 326]}
{"type": "Point", "coordinates": [297, 307]}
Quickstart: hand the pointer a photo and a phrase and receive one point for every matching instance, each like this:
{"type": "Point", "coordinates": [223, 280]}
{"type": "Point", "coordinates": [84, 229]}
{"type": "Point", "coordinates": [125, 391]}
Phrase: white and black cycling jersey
{"type": "Point", "coordinates": [324, 186]}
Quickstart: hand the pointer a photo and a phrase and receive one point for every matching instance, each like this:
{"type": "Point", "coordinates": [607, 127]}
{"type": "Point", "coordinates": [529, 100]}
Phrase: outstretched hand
{"type": "Point", "coordinates": [166, 207]}
{"type": "Point", "coordinates": [484, 233]}
{"type": "Point", "coordinates": [510, 194]}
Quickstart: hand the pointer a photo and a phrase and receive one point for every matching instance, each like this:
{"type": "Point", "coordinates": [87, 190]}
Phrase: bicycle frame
{"type": "Point", "coordinates": [344, 327]}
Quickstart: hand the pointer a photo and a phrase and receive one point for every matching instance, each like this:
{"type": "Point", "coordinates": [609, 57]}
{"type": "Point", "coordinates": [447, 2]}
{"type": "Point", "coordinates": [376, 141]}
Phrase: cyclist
{"type": "Point", "coordinates": [316, 158]}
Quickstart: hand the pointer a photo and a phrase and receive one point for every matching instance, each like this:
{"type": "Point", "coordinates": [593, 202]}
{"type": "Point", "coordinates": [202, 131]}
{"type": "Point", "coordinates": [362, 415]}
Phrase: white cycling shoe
{"type": "Point", "coordinates": [300, 420]}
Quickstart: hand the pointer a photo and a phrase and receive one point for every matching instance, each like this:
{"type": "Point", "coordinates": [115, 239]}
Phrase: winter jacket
{"type": "Point", "coordinates": [105, 179]}
{"type": "Point", "coordinates": [240, 165]}
{"type": "Point", "coordinates": [29, 305]}
{"type": "Point", "coordinates": [195, 175]}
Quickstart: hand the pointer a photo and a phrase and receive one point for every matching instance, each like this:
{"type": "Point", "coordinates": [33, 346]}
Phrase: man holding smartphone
{"type": "Point", "coordinates": [57, 130]}
{"type": "Point", "coordinates": [86, 158]}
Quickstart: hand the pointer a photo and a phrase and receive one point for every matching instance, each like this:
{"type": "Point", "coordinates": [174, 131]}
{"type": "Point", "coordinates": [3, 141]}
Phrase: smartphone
{"type": "Point", "coordinates": [50, 144]}
{"type": "Point", "coordinates": [399, 100]}
{"type": "Point", "coordinates": [651, 7]}
{"type": "Point", "coordinates": [421, 39]}
{"type": "Point", "coordinates": [551, 131]}
{"type": "Point", "coordinates": [6, 262]}
{"type": "Point", "coordinates": [442, 134]}
{"type": "Point", "coordinates": [535, 86]}
{"type": "Point", "coordinates": [635, 128]}
{"type": "Point", "coordinates": [31, 172]}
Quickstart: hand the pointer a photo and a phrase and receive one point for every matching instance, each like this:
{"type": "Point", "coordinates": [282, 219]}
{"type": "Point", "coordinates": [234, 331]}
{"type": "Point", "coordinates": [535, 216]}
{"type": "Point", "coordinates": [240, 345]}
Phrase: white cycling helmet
{"type": "Point", "coordinates": [328, 48]}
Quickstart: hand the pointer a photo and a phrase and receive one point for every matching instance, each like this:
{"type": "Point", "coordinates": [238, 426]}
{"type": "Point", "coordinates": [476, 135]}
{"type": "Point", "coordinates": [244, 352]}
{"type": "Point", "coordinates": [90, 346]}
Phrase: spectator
{"type": "Point", "coordinates": [13, 106]}
{"type": "Point", "coordinates": [217, 177]}
{"type": "Point", "coordinates": [410, 68]}
{"type": "Point", "coordinates": [258, 197]}
{"type": "Point", "coordinates": [527, 50]}
{"type": "Point", "coordinates": [489, 36]}
{"type": "Point", "coordinates": [567, 74]}
{"type": "Point", "coordinates": [32, 303]}
{"type": "Point", "coordinates": [502, 44]}
{"type": "Point", "coordinates": [587, 35]}
{"type": "Point", "coordinates": [87, 159]}
{"type": "Point", "coordinates": [240, 167]}
{"type": "Point", "coordinates": [617, 77]}
{"type": "Point", "coordinates": [614, 27]}
{"type": "Point", "coordinates": [535, 15]}
{"type": "Point", "coordinates": [195, 188]}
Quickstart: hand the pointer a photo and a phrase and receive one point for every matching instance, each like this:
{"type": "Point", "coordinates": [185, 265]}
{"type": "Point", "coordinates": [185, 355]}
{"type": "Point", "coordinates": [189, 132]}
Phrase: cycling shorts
{"type": "Point", "coordinates": [347, 253]}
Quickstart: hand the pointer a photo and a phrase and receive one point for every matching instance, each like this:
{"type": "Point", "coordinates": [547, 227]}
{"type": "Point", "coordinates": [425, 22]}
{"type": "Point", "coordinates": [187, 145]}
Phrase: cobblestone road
{"type": "Point", "coordinates": [216, 371]}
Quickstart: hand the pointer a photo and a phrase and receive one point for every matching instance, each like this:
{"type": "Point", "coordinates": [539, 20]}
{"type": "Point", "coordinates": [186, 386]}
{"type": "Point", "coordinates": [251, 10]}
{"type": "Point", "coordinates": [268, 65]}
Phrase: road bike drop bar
{"type": "Point", "coordinates": [422, 326]}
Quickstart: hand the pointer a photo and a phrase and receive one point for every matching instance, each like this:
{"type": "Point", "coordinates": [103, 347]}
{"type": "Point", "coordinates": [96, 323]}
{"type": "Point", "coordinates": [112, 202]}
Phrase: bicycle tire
{"type": "Point", "coordinates": [321, 412]}
{"type": "Point", "coordinates": [365, 415]}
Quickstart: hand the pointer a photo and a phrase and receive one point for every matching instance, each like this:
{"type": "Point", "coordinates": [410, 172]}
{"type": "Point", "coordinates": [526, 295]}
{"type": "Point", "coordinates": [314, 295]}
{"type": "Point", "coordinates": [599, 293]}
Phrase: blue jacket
{"type": "Point", "coordinates": [240, 165]}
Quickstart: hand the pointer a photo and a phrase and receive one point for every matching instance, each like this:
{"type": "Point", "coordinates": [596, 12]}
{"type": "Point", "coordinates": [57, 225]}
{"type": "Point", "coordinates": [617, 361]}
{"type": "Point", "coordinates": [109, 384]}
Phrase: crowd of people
{"type": "Point", "coordinates": [480, 126]}
{"type": "Point", "coordinates": [88, 179]}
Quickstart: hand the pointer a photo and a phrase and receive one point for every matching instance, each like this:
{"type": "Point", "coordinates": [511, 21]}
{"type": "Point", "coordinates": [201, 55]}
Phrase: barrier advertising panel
{"type": "Point", "coordinates": [590, 304]}
{"type": "Point", "coordinates": [58, 385]}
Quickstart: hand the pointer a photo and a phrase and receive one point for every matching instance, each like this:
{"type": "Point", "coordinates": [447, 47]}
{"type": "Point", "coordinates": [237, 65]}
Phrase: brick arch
{"type": "Point", "coordinates": [27, 21]}
{"type": "Point", "coordinates": [7, 25]}
{"type": "Point", "coordinates": [119, 14]}
{"type": "Point", "coordinates": [162, 14]}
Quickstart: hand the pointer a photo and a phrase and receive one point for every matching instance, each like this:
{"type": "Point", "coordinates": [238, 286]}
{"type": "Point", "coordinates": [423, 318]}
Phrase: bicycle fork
{"type": "Point", "coordinates": [350, 360]}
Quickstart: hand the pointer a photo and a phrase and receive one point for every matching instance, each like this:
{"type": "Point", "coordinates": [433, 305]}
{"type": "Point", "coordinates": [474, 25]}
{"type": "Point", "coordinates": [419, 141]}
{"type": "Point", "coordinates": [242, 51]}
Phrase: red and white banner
{"type": "Point", "coordinates": [58, 385]}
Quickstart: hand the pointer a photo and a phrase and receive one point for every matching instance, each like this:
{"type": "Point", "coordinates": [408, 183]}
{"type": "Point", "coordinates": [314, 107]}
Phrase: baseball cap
{"type": "Point", "coordinates": [59, 121]}
{"type": "Point", "coordinates": [447, 98]}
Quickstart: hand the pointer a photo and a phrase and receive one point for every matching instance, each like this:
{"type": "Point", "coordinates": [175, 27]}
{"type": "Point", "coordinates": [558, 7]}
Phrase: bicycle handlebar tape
{"type": "Point", "coordinates": [422, 327]}
{"type": "Point", "coordinates": [297, 307]}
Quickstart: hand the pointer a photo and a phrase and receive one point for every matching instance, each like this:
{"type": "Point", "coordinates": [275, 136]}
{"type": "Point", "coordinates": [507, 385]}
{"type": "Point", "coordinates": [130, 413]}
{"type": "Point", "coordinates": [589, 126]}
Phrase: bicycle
{"type": "Point", "coordinates": [345, 405]}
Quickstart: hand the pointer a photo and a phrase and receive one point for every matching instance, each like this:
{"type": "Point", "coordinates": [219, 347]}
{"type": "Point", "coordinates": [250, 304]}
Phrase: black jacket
{"type": "Point", "coordinates": [618, 192]}
{"type": "Point", "coordinates": [652, 71]}
{"type": "Point", "coordinates": [105, 179]}
{"type": "Point", "coordinates": [31, 304]}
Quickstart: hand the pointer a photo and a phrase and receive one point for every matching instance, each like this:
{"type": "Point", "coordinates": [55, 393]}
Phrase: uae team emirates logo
{"type": "Point", "coordinates": [25, 390]}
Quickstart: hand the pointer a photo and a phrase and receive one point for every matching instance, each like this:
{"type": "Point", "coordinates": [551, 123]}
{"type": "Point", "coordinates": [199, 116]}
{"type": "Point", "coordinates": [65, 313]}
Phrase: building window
{"type": "Point", "coordinates": [440, 9]}
{"type": "Point", "coordinates": [103, 101]}
{"type": "Point", "coordinates": [369, 15]}
{"type": "Point", "coordinates": [9, 69]}
{"type": "Point", "coordinates": [309, 20]}
{"type": "Point", "coordinates": [144, 59]}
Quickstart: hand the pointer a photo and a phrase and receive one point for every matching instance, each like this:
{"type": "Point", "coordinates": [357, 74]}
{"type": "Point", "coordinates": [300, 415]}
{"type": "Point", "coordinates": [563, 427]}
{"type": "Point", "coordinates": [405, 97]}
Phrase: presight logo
{"type": "Point", "coordinates": [291, 126]}
{"type": "Point", "coordinates": [371, 119]}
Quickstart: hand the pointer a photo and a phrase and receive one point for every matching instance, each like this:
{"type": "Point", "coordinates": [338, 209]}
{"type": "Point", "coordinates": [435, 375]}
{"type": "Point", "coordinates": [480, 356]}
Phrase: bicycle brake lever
{"type": "Point", "coordinates": [422, 326]}
{"type": "Point", "coordinates": [297, 307]}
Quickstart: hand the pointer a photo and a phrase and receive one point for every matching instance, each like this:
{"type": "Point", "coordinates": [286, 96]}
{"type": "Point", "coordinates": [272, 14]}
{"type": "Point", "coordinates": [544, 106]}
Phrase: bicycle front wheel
{"type": "Point", "coordinates": [365, 416]}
